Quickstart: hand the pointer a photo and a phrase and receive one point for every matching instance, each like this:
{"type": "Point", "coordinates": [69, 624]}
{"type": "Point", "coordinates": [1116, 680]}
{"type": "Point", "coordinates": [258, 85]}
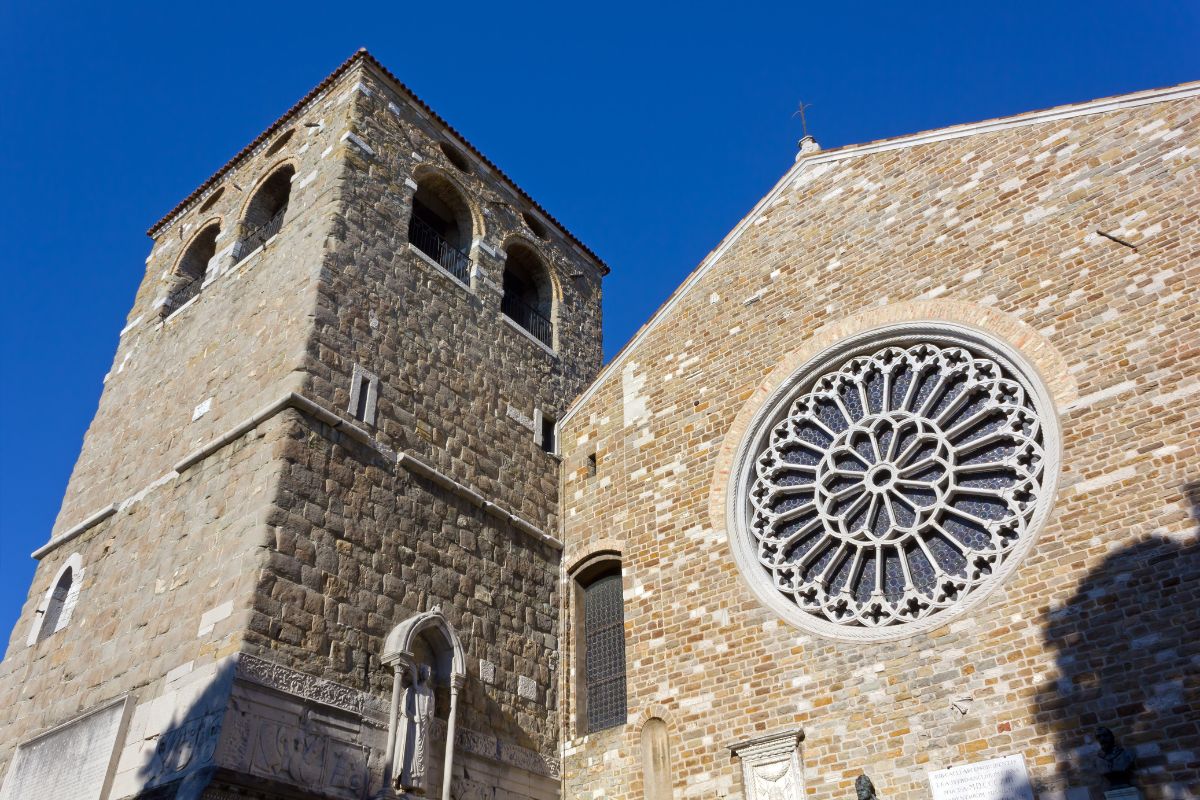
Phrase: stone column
{"type": "Point", "coordinates": [456, 683]}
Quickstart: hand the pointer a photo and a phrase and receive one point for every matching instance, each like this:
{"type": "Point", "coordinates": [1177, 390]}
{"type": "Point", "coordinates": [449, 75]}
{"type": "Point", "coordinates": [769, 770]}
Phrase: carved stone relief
{"type": "Point", "coordinates": [184, 749]}
{"type": "Point", "coordinates": [771, 768]}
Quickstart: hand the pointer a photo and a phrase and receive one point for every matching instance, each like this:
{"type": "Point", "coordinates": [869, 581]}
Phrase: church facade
{"type": "Point", "coordinates": [895, 493]}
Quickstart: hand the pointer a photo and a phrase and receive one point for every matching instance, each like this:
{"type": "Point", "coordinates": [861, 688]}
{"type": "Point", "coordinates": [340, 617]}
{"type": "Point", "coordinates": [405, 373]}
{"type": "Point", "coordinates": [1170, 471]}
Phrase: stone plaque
{"type": "Point", "coordinates": [73, 760]}
{"type": "Point", "coordinates": [995, 779]}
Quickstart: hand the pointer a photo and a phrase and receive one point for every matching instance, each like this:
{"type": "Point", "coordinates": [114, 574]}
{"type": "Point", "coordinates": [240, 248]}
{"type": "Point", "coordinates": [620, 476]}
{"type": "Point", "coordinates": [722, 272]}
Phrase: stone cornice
{"type": "Point", "coordinates": [408, 461]}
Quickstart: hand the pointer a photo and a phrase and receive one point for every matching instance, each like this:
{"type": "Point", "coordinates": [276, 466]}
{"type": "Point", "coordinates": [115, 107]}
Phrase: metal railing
{"type": "Point", "coordinates": [181, 294]}
{"type": "Point", "coordinates": [257, 237]}
{"type": "Point", "coordinates": [528, 318]}
{"type": "Point", "coordinates": [430, 242]}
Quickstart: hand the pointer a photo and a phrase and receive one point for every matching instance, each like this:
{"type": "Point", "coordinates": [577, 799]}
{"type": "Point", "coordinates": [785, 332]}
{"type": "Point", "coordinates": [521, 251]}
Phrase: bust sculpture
{"type": "Point", "coordinates": [864, 788]}
{"type": "Point", "coordinates": [1114, 762]}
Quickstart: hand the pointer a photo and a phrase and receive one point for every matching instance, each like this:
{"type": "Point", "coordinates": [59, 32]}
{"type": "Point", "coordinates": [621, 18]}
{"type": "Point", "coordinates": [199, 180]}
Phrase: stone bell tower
{"type": "Point", "coordinates": [310, 539]}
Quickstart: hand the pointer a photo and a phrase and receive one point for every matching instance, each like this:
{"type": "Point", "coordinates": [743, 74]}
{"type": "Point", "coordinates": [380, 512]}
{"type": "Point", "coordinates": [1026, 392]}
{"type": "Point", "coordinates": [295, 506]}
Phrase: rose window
{"type": "Point", "coordinates": [894, 485]}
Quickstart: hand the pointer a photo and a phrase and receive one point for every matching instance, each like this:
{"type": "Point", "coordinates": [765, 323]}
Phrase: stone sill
{"type": "Point", "coordinates": [517, 327]}
{"type": "Point", "coordinates": [238, 266]}
{"type": "Point", "coordinates": [447, 273]}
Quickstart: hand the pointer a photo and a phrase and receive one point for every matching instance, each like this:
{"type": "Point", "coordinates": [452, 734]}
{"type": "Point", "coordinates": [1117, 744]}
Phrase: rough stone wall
{"type": "Point", "coordinates": [997, 230]}
{"type": "Point", "coordinates": [236, 346]}
{"type": "Point", "coordinates": [166, 591]}
{"type": "Point", "coordinates": [363, 544]}
{"type": "Point", "coordinates": [182, 545]}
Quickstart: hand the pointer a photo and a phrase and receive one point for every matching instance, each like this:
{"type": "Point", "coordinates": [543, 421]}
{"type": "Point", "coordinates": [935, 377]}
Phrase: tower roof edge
{"type": "Point", "coordinates": [362, 55]}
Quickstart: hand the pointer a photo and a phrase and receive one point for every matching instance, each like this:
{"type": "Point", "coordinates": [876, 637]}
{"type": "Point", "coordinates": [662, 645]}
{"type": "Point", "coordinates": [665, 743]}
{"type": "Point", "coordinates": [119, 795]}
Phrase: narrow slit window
{"type": "Point", "coordinates": [364, 394]}
{"type": "Point", "coordinates": [548, 443]}
{"type": "Point", "coordinates": [591, 465]}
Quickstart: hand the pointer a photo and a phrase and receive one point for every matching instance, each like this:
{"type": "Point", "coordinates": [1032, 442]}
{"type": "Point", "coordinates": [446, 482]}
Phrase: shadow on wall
{"type": "Point", "coordinates": [177, 758]}
{"type": "Point", "coordinates": [1127, 647]}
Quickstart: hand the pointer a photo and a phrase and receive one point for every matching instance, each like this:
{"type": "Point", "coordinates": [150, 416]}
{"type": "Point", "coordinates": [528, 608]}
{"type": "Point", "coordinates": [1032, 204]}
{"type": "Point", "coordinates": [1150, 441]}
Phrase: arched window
{"type": "Point", "coordinates": [189, 273]}
{"type": "Point", "coordinates": [528, 294]}
{"type": "Point", "coordinates": [600, 644]}
{"type": "Point", "coordinates": [656, 760]}
{"type": "Point", "coordinates": [58, 601]}
{"type": "Point", "coordinates": [265, 212]}
{"type": "Point", "coordinates": [440, 226]}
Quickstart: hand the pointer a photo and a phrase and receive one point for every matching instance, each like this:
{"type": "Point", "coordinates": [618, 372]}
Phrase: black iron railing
{"type": "Point", "coordinates": [528, 318]}
{"type": "Point", "coordinates": [430, 242]}
{"type": "Point", "coordinates": [257, 237]}
{"type": "Point", "coordinates": [181, 294]}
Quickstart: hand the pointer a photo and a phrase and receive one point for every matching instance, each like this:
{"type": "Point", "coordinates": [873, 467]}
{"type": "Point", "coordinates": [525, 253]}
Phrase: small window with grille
{"type": "Point", "coordinates": [603, 704]}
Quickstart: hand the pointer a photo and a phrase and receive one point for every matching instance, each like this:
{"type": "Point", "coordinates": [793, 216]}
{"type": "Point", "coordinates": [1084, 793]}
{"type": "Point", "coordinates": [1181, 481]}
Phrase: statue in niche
{"type": "Point", "coordinates": [864, 788]}
{"type": "Point", "coordinates": [1114, 762]}
{"type": "Point", "coordinates": [412, 756]}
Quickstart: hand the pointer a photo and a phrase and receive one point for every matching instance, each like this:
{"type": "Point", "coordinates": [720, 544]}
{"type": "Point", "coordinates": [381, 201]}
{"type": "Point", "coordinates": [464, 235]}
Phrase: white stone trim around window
{"type": "Point", "coordinates": [893, 481]}
{"type": "Point", "coordinates": [363, 408]}
{"type": "Point", "coordinates": [74, 563]}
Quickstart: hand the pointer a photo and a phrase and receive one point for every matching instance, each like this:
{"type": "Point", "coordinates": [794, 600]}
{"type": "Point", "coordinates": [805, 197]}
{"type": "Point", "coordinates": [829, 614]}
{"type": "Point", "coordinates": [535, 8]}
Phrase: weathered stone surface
{"type": "Point", "coordinates": [264, 546]}
{"type": "Point", "coordinates": [996, 230]}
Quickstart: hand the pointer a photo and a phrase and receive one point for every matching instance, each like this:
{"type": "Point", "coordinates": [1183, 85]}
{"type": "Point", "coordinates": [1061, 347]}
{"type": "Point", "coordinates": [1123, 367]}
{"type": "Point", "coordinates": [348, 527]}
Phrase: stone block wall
{"type": "Point", "coordinates": [167, 586]}
{"type": "Point", "coordinates": [362, 543]}
{"type": "Point", "coordinates": [994, 228]}
{"type": "Point", "coordinates": [460, 385]}
{"type": "Point", "coordinates": [235, 489]}
{"type": "Point", "coordinates": [177, 383]}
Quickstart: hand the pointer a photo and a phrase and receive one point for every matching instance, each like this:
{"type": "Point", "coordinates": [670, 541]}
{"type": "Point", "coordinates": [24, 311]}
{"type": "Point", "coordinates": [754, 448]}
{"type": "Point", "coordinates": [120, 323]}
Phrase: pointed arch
{"type": "Point", "coordinates": [404, 642]}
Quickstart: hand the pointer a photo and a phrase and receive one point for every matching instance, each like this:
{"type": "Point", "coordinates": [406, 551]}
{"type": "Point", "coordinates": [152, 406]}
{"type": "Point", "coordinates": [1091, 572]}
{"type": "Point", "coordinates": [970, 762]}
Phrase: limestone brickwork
{"type": "Point", "coordinates": [995, 226]}
{"type": "Point", "coordinates": [247, 539]}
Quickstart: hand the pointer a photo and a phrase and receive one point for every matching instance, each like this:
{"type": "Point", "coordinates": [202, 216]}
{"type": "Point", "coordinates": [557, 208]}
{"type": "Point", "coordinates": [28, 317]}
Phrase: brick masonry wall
{"type": "Point", "coordinates": [996, 230]}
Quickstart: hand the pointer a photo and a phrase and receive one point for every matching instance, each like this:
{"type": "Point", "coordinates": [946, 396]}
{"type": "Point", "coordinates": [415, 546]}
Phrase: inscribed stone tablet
{"type": "Point", "coordinates": [69, 762]}
{"type": "Point", "coordinates": [996, 779]}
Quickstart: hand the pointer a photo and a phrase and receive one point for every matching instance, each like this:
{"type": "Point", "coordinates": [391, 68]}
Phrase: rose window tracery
{"type": "Point", "coordinates": [895, 485]}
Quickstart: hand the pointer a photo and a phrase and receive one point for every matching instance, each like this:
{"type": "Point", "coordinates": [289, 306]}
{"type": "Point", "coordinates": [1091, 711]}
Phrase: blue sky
{"type": "Point", "coordinates": [648, 130]}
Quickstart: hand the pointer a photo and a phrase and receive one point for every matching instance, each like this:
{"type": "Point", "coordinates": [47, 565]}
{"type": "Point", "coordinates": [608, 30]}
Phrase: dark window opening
{"type": "Point", "coordinates": [528, 297]}
{"type": "Point", "coordinates": [265, 213]}
{"type": "Point", "coordinates": [281, 142]}
{"type": "Point", "coordinates": [532, 222]}
{"type": "Point", "coordinates": [440, 228]}
{"type": "Point", "coordinates": [455, 157]}
{"type": "Point", "coordinates": [364, 394]}
{"type": "Point", "coordinates": [212, 199]}
{"type": "Point", "coordinates": [591, 465]}
{"type": "Point", "coordinates": [548, 442]}
{"type": "Point", "coordinates": [191, 269]}
{"type": "Point", "coordinates": [604, 651]}
{"type": "Point", "coordinates": [54, 609]}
